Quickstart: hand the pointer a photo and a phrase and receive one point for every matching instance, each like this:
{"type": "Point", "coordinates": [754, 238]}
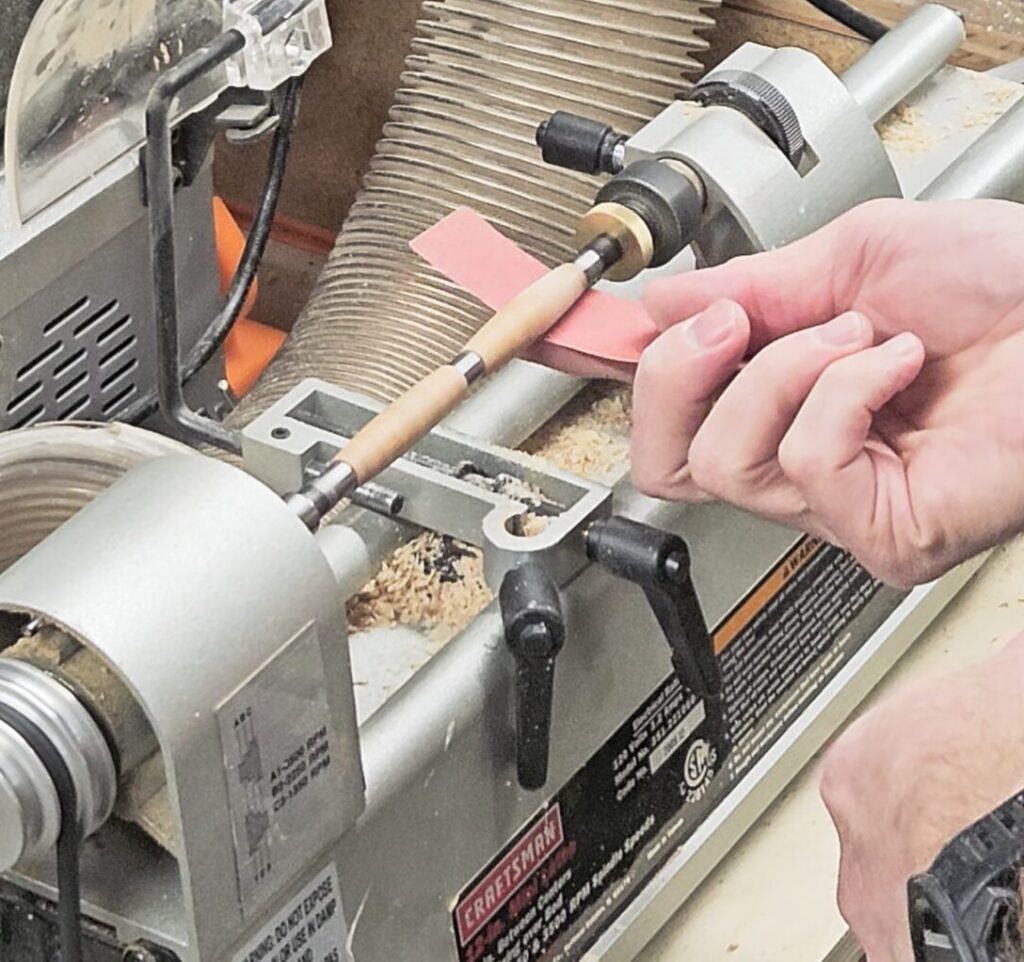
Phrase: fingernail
{"type": "Point", "coordinates": [905, 345]}
{"type": "Point", "coordinates": [845, 329]}
{"type": "Point", "coordinates": [712, 328]}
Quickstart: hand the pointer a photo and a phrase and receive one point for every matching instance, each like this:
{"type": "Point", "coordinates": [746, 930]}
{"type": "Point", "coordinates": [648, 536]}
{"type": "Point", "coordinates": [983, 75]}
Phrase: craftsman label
{"type": "Point", "coordinates": [276, 736]}
{"type": "Point", "coordinates": [557, 885]}
{"type": "Point", "coordinates": [310, 928]}
{"type": "Point", "coordinates": [517, 867]}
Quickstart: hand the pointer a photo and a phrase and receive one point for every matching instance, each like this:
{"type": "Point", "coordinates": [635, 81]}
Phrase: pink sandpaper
{"type": "Point", "coordinates": [469, 251]}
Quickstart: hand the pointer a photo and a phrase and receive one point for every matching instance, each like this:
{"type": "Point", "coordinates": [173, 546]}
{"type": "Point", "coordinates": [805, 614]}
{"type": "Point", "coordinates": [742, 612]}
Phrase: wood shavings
{"type": "Point", "coordinates": [905, 132]}
{"type": "Point", "coordinates": [590, 435]}
{"type": "Point", "coordinates": [530, 524]}
{"type": "Point", "coordinates": [434, 584]}
{"type": "Point", "coordinates": [999, 96]}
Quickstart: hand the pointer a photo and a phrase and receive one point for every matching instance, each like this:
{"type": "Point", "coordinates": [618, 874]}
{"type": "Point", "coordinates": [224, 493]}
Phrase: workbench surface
{"type": "Point", "coordinates": [772, 899]}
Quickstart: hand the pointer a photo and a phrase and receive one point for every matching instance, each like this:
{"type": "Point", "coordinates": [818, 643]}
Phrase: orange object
{"type": "Point", "coordinates": [250, 346]}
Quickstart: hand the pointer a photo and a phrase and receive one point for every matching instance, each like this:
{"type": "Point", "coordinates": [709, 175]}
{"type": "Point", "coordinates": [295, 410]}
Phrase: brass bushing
{"type": "Point", "coordinates": [625, 226]}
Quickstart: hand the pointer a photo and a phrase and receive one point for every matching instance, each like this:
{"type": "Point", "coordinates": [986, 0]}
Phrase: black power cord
{"type": "Point", "coordinates": [852, 18]}
{"type": "Point", "coordinates": [69, 841]}
{"type": "Point", "coordinates": [256, 242]}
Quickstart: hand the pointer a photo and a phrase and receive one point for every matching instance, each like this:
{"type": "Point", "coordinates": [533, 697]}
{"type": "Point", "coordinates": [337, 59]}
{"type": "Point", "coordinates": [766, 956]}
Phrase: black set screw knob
{"type": "Point", "coordinates": [535, 633]}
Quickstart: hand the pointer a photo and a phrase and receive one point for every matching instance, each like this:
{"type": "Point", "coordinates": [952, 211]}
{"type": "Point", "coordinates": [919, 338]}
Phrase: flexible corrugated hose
{"type": "Point", "coordinates": [481, 76]}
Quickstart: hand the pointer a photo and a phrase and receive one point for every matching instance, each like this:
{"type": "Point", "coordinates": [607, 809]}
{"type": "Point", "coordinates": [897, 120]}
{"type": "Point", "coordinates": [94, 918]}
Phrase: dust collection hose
{"type": "Point", "coordinates": [481, 76]}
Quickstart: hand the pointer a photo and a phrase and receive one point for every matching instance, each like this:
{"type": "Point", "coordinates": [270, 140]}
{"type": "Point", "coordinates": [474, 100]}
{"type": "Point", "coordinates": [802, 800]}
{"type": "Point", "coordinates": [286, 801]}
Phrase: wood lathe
{"type": "Point", "coordinates": [406, 670]}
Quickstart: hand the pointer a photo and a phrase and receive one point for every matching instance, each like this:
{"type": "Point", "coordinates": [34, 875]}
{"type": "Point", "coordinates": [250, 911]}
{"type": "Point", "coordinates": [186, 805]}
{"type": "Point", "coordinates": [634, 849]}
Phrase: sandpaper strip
{"type": "Point", "coordinates": [480, 259]}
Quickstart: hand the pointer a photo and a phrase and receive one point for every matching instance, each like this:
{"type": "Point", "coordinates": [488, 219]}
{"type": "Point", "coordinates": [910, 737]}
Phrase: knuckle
{"type": "Point", "coordinates": [660, 481]}
{"type": "Point", "coordinates": [707, 467]}
{"type": "Point", "coordinates": [652, 483]}
{"type": "Point", "coordinates": [842, 771]}
{"type": "Point", "coordinates": [835, 781]}
{"type": "Point", "coordinates": [798, 459]}
{"type": "Point", "coordinates": [871, 212]}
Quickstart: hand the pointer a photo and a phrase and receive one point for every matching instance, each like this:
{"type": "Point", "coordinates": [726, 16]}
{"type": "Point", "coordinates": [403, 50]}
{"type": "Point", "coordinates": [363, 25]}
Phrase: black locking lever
{"type": "Point", "coordinates": [659, 563]}
{"type": "Point", "coordinates": [534, 632]}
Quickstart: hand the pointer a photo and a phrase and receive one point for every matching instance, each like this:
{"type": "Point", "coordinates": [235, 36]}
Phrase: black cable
{"type": "Point", "coordinates": [252, 255]}
{"type": "Point", "coordinates": [69, 841]}
{"type": "Point", "coordinates": [256, 242]}
{"type": "Point", "coordinates": [852, 18]}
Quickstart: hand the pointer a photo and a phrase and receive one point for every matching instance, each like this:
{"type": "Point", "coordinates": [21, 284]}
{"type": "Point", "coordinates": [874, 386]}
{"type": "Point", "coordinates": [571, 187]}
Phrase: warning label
{"type": "Point", "coordinates": [551, 891]}
{"type": "Point", "coordinates": [276, 740]}
{"type": "Point", "coordinates": [310, 928]}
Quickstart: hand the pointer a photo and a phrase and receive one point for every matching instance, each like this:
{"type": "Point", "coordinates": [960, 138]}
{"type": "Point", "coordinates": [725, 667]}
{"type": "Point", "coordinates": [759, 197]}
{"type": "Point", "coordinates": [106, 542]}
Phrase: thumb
{"type": "Point", "coordinates": [781, 291]}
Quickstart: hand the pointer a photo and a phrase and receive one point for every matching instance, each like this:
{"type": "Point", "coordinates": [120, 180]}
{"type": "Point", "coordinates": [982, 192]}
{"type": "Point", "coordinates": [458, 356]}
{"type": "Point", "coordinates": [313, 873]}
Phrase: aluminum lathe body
{"type": "Point", "coordinates": [260, 776]}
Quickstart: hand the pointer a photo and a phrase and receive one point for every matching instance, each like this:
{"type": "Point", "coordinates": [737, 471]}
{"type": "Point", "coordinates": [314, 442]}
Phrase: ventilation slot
{"type": "Point", "coordinates": [34, 415]}
{"type": "Point", "coordinates": [19, 399]}
{"type": "Point", "coordinates": [94, 319]}
{"type": "Point", "coordinates": [114, 353]}
{"type": "Point", "coordinates": [61, 369]}
{"type": "Point", "coordinates": [39, 360]}
{"type": "Point", "coordinates": [82, 364]}
{"type": "Point", "coordinates": [118, 374]}
{"type": "Point", "coordinates": [116, 328]}
{"type": "Point", "coordinates": [110, 407]}
{"type": "Point", "coordinates": [61, 319]}
{"type": "Point", "coordinates": [76, 408]}
{"type": "Point", "coordinates": [69, 389]}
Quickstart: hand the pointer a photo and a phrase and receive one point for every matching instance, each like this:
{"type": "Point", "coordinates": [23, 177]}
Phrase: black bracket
{"type": "Point", "coordinates": [534, 632]}
{"type": "Point", "coordinates": [967, 906]}
{"type": "Point", "coordinates": [659, 563]}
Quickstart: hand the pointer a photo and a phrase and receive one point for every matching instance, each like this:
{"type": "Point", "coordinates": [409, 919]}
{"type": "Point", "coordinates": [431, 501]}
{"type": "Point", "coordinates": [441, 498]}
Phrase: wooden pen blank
{"type": "Point", "coordinates": [400, 425]}
{"type": "Point", "coordinates": [527, 317]}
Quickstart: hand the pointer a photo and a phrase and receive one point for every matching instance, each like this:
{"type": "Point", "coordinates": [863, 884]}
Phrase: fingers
{"type": "Point", "coordinates": [782, 291]}
{"type": "Point", "coordinates": [582, 365]}
{"type": "Point", "coordinates": [734, 455]}
{"type": "Point", "coordinates": [676, 381]}
{"type": "Point", "coordinates": [856, 486]}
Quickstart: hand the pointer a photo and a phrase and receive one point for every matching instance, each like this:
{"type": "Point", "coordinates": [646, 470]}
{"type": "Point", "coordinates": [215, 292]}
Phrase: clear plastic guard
{"type": "Point", "coordinates": [78, 94]}
{"type": "Point", "coordinates": [283, 37]}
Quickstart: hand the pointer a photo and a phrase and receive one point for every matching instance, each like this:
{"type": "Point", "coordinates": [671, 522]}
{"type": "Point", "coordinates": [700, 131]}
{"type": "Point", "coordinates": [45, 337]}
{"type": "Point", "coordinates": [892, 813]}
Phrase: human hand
{"type": "Point", "coordinates": [881, 402]}
{"type": "Point", "coordinates": [910, 775]}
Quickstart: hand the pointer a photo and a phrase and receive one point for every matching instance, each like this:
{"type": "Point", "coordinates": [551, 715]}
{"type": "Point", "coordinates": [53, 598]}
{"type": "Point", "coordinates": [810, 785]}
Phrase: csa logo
{"type": "Point", "coordinates": [698, 768]}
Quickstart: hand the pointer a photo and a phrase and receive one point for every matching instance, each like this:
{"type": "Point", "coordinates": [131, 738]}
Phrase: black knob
{"type": "Point", "coordinates": [534, 632]}
{"type": "Point", "coordinates": [578, 143]}
{"type": "Point", "coordinates": [659, 562]}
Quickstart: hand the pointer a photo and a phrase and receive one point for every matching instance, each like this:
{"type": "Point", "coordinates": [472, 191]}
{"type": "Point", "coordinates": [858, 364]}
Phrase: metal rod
{"type": "Point", "coordinates": [908, 55]}
{"type": "Point", "coordinates": [513, 403]}
{"type": "Point", "coordinates": [993, 166]}
{"type": "Point", "coordinates": [160, 201]}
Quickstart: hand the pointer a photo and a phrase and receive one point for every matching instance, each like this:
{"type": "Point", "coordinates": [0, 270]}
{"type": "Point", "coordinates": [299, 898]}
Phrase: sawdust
{"type": "Point", "coordinates": [434, 584]}
{"type": "Point", "coordinates": [905, 132]}
{"type": "Point", "coordinates": [530, 524]}
{"type": "Point", "coordinates": [999, 96]}
{"type": "Point", "coordinates": [590, 435]}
